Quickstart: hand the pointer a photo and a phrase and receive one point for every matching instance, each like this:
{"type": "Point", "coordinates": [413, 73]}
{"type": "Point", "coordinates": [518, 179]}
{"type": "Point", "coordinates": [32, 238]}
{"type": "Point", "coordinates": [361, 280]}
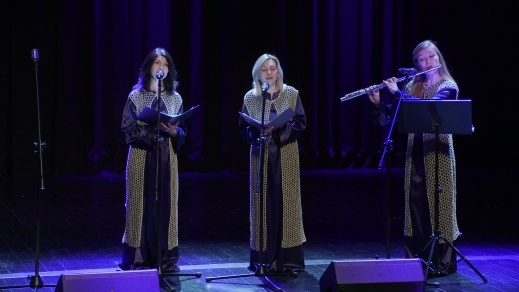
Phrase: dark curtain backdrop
{"type": "Point", "coordinates": [90, 53]}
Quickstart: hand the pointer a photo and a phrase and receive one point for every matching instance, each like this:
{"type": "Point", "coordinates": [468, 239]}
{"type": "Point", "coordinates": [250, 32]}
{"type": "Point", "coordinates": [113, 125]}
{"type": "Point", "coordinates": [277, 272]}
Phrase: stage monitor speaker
{"type": "Point", "coordinates": [127, 281]}
{"type": "Point", "coordinates": [373, 275]}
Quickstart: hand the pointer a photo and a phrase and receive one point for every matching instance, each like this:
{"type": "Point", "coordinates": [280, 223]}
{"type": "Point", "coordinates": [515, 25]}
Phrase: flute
{"type": "Point", "coordinates": [382, 85]}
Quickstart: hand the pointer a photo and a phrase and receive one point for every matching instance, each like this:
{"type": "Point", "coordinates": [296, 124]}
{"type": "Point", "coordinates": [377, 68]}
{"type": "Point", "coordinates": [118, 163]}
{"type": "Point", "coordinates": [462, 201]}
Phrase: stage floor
{"type": "Point", "coordinates": [82, 222]}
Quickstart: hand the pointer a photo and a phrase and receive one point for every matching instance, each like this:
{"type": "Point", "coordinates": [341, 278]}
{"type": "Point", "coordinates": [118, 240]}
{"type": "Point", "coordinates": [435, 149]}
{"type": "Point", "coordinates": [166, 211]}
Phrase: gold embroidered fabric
{"type": "Point", "coordinates": [293, 233]}
{"type": "Point", "coordinates": [135, 174]}
{"type": "Point", "coordinates": [446, 170]}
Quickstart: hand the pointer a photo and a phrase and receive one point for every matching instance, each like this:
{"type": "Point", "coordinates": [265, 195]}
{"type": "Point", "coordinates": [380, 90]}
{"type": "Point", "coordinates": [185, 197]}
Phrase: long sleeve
{"type": "Point", "coordinates": [139, 136]}
{"type": "Point", "coordinates": [180, 139]}
{"type": "Point", "coordinates": [289, 132]}
{"type": "Point", "coordinates": [143, 136]}
{"type": "Point", "coordinates": [248, 132]}
{"type": "Point", "coordinates": [285, 134]}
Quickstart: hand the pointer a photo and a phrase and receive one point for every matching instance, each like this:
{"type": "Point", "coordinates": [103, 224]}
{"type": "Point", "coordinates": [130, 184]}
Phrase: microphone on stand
{"type": "Point", "coordinates": [35, 55]}
{"type": "Point", "coordinates": [160, 74]}
{"type": "Point", "coordinates": [265, 86]}
{"type": "Point", "coordinates": [408, 71]}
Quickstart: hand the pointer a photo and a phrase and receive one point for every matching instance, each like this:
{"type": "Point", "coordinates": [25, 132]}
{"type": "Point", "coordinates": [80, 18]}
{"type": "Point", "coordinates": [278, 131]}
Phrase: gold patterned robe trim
{"type": "Point", "coordinates": [135, 175]}
{"type": "Point", "coordinates": [293, 232]}
{"type": "Point", "coordinates": [447, 173]}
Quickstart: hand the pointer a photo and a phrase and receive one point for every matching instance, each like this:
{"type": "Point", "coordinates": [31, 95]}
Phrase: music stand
{"type": "Point", "coordinates": [455, 116]}
{"type": "Point", "coordinates": [445, 117]}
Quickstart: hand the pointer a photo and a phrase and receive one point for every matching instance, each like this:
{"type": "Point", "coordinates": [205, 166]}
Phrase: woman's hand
{"type": "Point", "coordinates": [269, 130]}
{"type": "Point", "coordinates": [171, 129]}
{"type": "Point", "coordinates": [374, 97]}
{"type": "Point", "coordinates": [391, 84]}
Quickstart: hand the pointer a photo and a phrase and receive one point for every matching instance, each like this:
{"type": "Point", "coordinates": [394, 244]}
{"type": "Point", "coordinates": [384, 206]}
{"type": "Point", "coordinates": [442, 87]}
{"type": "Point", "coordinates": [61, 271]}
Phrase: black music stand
{"type": "Point", "coordinates": [438, 117]}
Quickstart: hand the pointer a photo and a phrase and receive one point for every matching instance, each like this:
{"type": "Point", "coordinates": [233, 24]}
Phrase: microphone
{"type": "Point", "coordinates": [265, 86]}
{"type": "Point", "coordinates": [160, 74]}
{"type": "Point", "coordinates": [408, 71]}
{"type": "Point", "coordinates": [35, 55]}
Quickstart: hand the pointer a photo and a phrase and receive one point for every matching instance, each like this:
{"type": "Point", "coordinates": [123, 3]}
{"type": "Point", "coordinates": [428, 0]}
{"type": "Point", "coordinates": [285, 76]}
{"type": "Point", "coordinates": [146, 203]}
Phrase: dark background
{"type": "Point", "coordinates": [90, 53]}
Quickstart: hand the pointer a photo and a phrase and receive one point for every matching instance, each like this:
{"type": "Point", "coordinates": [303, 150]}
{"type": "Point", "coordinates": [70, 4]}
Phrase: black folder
{"type": "Point", "coordinates": [277, 122]}
{"type": "Point", "coordinates": [149, 116]}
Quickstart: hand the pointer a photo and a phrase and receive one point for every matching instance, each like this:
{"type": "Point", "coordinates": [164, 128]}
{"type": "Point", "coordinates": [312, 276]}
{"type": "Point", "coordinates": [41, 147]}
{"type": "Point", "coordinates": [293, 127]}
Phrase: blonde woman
{"type": "Point", "coordinates": [283, 223]}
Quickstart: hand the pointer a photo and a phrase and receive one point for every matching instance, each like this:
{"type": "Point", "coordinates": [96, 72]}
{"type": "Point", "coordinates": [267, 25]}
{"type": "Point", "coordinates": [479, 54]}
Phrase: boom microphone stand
{"type": "Point", "coordinates": [36, 281]}
{"type": "Point", "coordinates": [261, 269]}
{"type": "Point", "coordinates": [158, 143]}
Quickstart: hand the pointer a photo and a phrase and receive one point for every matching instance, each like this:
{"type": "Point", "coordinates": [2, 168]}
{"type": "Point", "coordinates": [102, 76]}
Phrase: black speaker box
{"type": "Point", "coordinates": [400, 275]}
{"type": "Point", "coordinates": [127, 281]}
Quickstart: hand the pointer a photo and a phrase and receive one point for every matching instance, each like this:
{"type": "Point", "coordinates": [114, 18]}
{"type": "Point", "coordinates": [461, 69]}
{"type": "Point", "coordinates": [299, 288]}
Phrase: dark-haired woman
{"type": "Point", "coordinates": [140, 246]}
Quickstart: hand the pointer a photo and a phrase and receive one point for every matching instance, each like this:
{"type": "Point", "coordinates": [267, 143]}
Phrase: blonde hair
{"type": "Point", "coordinates": [256, 72]}
{"type": "Point", "coordinates": [417, 86]}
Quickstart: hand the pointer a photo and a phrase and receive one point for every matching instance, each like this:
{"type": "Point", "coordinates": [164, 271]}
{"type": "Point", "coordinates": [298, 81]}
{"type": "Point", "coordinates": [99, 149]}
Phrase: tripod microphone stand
{"type": "Point", "coordinates": [36, 281]}
{"type": "Point", "coordinates": [261, 269]}
{"type": "Point", "coordinates": [454, 117]}
{"type": "Point", "coordinates": [158, 184]}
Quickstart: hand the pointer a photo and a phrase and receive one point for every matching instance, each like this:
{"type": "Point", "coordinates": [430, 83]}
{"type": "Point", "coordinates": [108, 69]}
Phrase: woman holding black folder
{"type": "Point", "coordinates": [420, 161]}
{"type": "Point", "coordinates": [140, 246]}
{"type": "Point", "coordinates": [283, 222]}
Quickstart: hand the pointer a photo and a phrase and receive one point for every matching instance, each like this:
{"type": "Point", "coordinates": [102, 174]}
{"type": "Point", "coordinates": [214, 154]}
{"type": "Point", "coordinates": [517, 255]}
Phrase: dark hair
{"type": "Point", "coordinates": [170, 82]}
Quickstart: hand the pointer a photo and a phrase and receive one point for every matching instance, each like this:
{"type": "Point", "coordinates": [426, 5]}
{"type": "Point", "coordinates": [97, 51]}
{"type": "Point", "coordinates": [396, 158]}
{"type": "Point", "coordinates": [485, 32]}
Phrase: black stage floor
{"type": "Point", "coordinates": [82, 221]}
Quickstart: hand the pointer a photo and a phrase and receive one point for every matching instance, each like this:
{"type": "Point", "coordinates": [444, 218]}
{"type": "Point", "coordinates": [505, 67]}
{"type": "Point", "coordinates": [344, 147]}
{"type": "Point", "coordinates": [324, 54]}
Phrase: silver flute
{"type": "Point", "coordinates": [382, 85]}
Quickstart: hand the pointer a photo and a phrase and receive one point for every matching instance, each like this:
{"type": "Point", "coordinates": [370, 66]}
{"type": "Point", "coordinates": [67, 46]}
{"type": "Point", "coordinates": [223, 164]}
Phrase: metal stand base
{"type": "Point", "coordinates": [433, 242]}
{"type": "Point", "coordinates": [261, 272]}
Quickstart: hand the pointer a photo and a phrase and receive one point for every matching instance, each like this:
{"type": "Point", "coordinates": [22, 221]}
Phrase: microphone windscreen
{"type": "Point", "coordinates": [265, 86]}
{"type": "Point", "coordinates": [160, 74]}
{"type": "Point", "coordinates": [35, 55]}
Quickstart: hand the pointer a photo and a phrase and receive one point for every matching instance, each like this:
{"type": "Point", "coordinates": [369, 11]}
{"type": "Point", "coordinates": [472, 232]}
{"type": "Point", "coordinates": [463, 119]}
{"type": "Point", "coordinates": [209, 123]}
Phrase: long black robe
{"type": "Point", "coordinates": [276, 257]}
{"type": "Point", "coordinates": [420, 184]}
{"type": "Point", "coordinates": [142, 136]}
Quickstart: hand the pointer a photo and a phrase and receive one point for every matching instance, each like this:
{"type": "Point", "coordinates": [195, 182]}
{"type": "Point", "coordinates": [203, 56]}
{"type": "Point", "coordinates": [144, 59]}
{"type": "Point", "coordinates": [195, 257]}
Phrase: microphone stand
{"type": "Point", "coordinates": [261, 269]}
{"type": "Point", "coordinates": [158, 198]}
{"type": "Point", "coordinates": [388, 148]}
{"type": "Point", "coordinates": [36, 281]}
{"type": "Point", "coordinates": [158, 144]}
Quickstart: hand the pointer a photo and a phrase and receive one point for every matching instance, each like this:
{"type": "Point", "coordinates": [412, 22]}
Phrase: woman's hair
{"type": "Point", "coordinates": [417, 87]}
{"type": "Point", "coordinates": [145, 77]}
{"type": "Point", "coordinates": [256, 72]}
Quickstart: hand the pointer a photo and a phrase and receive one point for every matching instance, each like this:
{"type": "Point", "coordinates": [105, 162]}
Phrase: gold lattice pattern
{"type": "Point", "coordinates": [446, 174]}
{"type": "Point", "coordinates": [293, 233]}
{"type": "Point", "coordinates": [135, 175]}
